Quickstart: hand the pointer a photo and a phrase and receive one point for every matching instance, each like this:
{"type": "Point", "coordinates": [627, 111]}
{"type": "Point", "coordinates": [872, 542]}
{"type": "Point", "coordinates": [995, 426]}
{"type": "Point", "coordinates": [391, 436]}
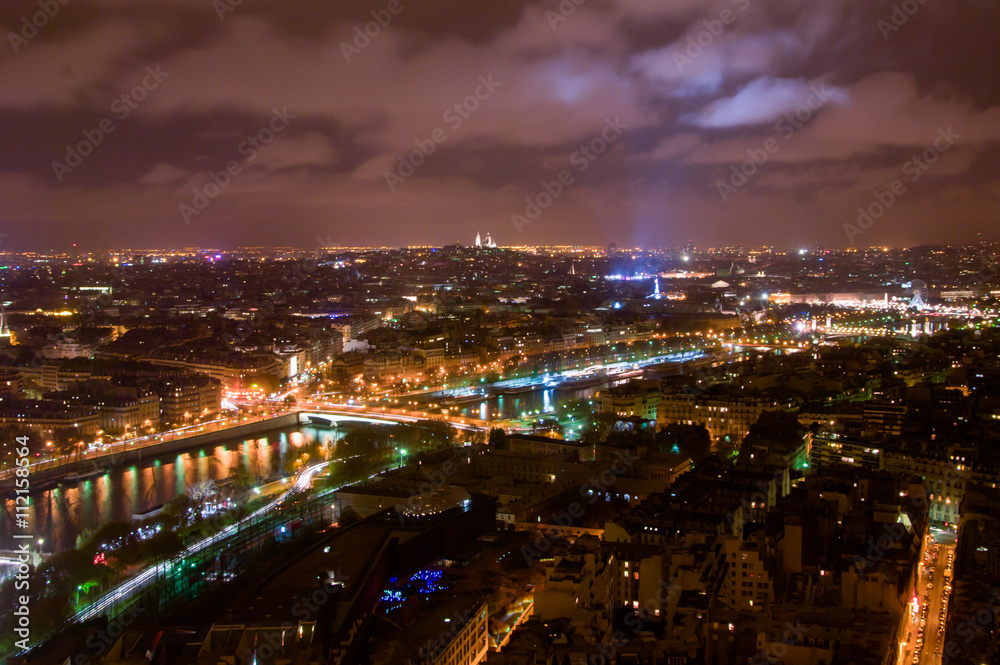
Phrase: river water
{"type": "Point", "coordinates": [535, 403]}
{"type": "Point", "coordinates": [60, 514]}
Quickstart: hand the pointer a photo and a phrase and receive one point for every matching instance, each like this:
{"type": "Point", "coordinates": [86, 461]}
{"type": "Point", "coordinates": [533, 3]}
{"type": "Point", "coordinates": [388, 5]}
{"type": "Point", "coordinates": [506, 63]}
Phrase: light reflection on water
{"type": "Point", "coordinates": [512, 406]}
{"type": "Point", "coordinates": [60, 514]}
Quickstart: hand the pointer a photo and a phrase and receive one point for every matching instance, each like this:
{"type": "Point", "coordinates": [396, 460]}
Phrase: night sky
{"type": "Point", "coordinates": [641, 117]}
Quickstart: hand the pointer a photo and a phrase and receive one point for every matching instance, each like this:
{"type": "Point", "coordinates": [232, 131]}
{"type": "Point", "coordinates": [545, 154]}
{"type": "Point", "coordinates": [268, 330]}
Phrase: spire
{"type": "Point", "coordinates": [656, 290]}
{"type": "Point", "coordinates": [4, 328]}
{"type": "Point", "coordinates": [479, 242]}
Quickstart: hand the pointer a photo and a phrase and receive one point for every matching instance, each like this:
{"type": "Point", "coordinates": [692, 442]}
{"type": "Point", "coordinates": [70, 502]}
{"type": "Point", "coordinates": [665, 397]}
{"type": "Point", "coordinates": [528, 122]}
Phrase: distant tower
{"type": "Point", "coordinates": [572, 268]}
{"type": "Point", "coordinates": [479, 242]}
{"type": "Point", "coordinates": [489, 240]}
{"type": "Point", "coordinates": [4, 328]}
{"type": "Point", "coordinates": [656, 289]}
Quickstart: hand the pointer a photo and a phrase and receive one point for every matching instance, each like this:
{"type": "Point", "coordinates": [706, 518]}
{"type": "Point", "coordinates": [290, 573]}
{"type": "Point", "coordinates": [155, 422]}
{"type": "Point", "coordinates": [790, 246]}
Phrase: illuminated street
{"type": "Point", "coordinates": [925, 638]}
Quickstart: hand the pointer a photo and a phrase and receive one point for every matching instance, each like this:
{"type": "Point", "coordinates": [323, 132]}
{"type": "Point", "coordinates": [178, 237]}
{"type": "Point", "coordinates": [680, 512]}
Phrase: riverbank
{"type": "Point", "coordinates": [41, 477]}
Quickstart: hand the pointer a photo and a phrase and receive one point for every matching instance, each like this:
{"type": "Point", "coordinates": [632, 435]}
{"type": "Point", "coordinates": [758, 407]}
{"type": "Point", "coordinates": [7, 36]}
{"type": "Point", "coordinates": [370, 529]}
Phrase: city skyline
{"type": "Point", "coordinates": [200, 124]}
{"type": "Point", "coordinates": [523, 455]}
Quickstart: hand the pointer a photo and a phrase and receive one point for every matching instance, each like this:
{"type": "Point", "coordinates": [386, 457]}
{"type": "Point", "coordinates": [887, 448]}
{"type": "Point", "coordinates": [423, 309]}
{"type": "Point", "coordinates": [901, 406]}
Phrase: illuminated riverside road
{"type": "Point", "coordinates": [130, 587]}
{"type": "Point", "coordinates": [342, 413]}
{"type": "Point", "coordinates": [112, 450]}
{"type": "Point", "coordinates": [60, 511]}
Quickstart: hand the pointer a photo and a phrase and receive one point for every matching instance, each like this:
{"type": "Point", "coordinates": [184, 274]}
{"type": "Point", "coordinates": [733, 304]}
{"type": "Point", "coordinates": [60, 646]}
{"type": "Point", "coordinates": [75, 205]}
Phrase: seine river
{"type": "Point", "coordinates": [60, 514]}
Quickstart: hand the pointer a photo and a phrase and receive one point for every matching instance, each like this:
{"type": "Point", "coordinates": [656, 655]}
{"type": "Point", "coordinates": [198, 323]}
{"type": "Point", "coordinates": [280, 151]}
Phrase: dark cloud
{"type": "Point", "coordinates": [701, 86]}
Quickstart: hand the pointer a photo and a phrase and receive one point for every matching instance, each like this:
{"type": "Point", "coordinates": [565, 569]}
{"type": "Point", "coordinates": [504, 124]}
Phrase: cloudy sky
{"type": "Point", "coordinates": [646, 122]}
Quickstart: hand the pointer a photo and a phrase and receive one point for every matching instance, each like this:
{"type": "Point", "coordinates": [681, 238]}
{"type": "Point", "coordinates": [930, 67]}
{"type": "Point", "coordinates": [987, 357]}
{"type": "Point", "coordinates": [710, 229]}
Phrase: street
{"type": "Point", "coordinates": [925, 635]}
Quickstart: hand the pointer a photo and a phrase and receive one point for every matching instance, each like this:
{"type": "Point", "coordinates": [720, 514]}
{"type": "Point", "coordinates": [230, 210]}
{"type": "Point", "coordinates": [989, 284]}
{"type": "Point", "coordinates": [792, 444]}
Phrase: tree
{"type": "Point", "coordinates": [240, 477]}
{"type": "Point", "coordinates": [436, 433]}
{"type": "Point", "coordinates": [598, 427]}
{"type": "Point", "coordinates": [117, 541]}
{"type": "Point", "coordinates": [631, 432]}
{"type": "Point", "coordinates": [177, 511]}
{"type": "Point", "coordinates": [203, 490]}
{"type": "Point", "coordinates": [617, 431]}
{"type": "Point", "coordinates": [349, 516]}
{"type": "Point", "coordinates": [474, 437]}
{"type": "Point", "coordinates": [163, 546]}
{"type": "Point", "coordinates": [498, 438]}
{"type": "Point", "coordinates": [693, 441]}
{"type": "Point", "coordinates": [773, 429]}
{"type": "Point", "coordinates": [64, 571]}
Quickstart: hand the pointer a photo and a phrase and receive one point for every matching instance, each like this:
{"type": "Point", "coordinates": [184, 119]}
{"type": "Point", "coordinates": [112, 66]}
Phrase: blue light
{"type": "Point", "coordinates": [428, 580]}
{"type": "Point", "coordinates": [391, 595]}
